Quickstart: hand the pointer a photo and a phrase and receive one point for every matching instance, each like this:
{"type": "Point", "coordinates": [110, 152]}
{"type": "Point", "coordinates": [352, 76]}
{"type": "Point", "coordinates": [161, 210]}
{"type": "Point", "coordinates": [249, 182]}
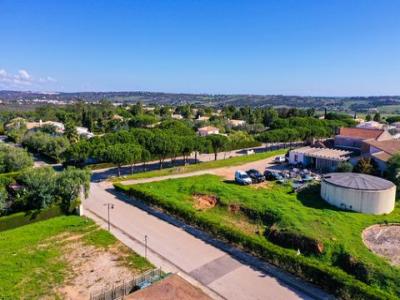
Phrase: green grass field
{"type": "Point", "coordinates": [31, 260]}
{"type": "Point", "coordinates": [229, 162]}
{"type": "Point", "coordinates": [276, 207]}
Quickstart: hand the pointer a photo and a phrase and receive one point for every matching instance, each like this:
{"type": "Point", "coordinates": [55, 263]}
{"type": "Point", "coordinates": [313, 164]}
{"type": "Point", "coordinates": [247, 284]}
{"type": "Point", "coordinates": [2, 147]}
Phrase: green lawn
{"type": "Point", "coordinates": [276, 207]}
{"type": "Point", "coordinates": [31, 263]}
{"type": "Point", "coordinates": [229, 162]}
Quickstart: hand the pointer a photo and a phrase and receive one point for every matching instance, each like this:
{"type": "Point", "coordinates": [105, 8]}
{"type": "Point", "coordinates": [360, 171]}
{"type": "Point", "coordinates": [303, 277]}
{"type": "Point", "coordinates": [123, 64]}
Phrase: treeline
{"type": "Point", "coordinates": [52, 146]}
{"type": "Point", "coordinates": [41, 188]}
{"type": "Point", "coordinates": [303, 128]}
{"type": "Point", "coordinates": [138, 145]}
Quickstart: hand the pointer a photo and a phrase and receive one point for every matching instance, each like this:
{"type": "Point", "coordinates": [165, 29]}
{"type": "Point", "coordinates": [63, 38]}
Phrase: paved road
{"type": "Point", "coordinates": [188, 251]}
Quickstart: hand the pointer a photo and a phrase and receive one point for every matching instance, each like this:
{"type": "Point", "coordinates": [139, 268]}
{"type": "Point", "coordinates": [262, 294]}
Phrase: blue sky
{"type": "Point", "coordinates": [252, 47]}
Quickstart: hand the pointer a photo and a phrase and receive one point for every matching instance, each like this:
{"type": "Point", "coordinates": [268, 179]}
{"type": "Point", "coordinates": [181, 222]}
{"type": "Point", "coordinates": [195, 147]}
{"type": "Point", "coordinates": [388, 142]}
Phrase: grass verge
{"type": "Point", "coordinates": [229, 162]}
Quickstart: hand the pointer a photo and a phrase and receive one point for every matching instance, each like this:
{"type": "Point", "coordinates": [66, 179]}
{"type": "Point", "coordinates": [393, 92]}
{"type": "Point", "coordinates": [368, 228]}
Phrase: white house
{"type": "Point", "coordinates": [83, 131]}
{"type": "Point", "coordinates": [236, 123]}
{"type": "Point", "coordinates": [208, 130]}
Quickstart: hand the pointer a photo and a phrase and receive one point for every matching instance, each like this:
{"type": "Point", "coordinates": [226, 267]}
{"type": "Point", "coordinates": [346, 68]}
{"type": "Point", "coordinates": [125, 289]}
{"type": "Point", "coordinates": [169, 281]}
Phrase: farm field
{"type": "Point", "coordinates": [273, 222]}
{"type": "Point", "coordinates": [64, 257]}
{"type": "Point", "coordinates": [229, 162]}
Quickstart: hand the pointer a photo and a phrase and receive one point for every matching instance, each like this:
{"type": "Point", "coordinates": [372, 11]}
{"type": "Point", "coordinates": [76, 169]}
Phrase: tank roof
{"type": "Point", "coordinates": [358, 181]}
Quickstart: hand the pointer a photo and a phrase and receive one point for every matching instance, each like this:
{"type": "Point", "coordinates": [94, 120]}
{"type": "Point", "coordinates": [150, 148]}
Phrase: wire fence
{"type": "Point", "coordinates": [127, 287]}
{"type": "Point", "coordinates": [277, 146]}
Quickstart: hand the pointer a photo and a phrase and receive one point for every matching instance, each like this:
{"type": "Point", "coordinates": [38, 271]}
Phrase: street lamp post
{"type": "Point", "coordinates": [145, 246]}
{"type": "Point", "coordinates": [109, 206]}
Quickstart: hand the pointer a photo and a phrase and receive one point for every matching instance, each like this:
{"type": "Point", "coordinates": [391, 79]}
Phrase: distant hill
{"type": "Point", "coordinates": [335, 103]}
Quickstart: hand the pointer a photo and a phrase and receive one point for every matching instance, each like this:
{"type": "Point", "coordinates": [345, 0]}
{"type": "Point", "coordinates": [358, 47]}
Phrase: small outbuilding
{"type": "Point", "coordinates": [359, 192]}
{"type": "Point", "coordinates": [322, 159]}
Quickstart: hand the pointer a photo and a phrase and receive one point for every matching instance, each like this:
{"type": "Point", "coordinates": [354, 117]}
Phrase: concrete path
{"type": "Point", "coordinates": [220, 270]}
{"type": "Point", "coordinates": [226, 172]}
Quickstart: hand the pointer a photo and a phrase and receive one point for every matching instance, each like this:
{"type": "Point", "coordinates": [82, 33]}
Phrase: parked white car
{"type": "Point", "coordinates": [241, 177]}
{"type": "Point", "coordinates": [280, 159]}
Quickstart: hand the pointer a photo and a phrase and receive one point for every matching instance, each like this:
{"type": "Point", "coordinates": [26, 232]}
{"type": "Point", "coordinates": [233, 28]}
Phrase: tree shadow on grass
{"type": "Point", "coordinates": [310, 197]}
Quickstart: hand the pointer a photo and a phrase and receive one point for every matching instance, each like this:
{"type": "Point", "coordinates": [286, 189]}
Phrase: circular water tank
{"type": "Point", "coordinates": [359, 192]}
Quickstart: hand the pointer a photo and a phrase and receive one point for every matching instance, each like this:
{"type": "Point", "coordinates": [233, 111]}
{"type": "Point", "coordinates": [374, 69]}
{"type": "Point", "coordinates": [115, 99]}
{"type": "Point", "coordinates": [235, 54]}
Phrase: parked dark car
{"type": "Point", "coordinates": [269, 175]}
{"type": "Point", "coordinates": [255, 176]}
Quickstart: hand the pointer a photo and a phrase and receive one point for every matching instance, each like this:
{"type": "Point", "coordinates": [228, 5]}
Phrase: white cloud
{"type": "Point", "coordinates": [47, 79]}
{"type": "Point", "coordinates": [22, 79]}
{"type": "Point", "coordinates": [23, 75]}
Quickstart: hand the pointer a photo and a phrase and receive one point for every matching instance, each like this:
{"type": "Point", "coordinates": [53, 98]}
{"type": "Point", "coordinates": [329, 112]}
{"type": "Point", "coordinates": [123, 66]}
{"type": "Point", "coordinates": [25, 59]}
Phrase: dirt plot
{"type": "Point", "coordinates": [384, 240]}
{"type": "Point", "coordinates": [91, 268]}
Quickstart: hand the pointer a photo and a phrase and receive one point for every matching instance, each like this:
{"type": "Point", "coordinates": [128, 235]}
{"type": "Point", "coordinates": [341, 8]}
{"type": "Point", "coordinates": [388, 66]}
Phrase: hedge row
{"type": "Point", "coordinates": [28, 217]}
{"type": "Point", "coordinates": [332, 279]}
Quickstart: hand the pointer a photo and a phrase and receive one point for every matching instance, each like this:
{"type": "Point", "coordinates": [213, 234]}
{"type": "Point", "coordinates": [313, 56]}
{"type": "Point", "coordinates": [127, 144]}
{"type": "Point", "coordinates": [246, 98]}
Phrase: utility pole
{"type": "Point", "coordinates": [109, 206]}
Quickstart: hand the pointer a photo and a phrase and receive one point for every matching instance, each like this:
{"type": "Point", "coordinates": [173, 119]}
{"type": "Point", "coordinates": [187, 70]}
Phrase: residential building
{"type": "Point", "coordinates": [177, 116]}
{"type": "Point", "coordinates": [322, 159]}
{"type": "Point", "coordinates": [371, 125]}
{"type": "Point", "coordinates": [58, 125]}
{"type": "Point", "coordinates": [236, 123]}
{"type": "Point", "coordinates": [381, 151]}
{"type": "Point", "coordinates": [202, 118]}
{"type": "Point", "coordinates": [352, 138]}
{"type": "Point", "coordinates": [83, 131]}
{"type": "Point", "coordinates": [208, 130]}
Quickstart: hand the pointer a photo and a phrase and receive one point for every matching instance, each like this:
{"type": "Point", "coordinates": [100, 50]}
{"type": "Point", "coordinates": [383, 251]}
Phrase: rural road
{"type": "Point", "coordinates": [177, 248]}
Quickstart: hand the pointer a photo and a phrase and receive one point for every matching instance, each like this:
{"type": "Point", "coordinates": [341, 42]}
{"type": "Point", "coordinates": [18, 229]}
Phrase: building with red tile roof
{"type": "Point", "coordinates": [352, 138]}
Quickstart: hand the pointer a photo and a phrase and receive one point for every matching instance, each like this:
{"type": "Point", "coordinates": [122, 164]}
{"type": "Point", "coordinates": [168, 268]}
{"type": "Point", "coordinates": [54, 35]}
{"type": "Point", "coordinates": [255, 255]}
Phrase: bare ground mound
{"type": "Point", "coordinates": [203, 202]}
{"type": "Point", "coordinates": [384, 240]}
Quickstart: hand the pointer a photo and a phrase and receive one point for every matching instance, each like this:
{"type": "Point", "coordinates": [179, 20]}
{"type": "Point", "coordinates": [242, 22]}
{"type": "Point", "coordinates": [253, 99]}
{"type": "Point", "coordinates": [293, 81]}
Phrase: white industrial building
{"type": "Point", "coordinates": [359, 192]}
{"type": "Point", "coordinates": [322, 159]}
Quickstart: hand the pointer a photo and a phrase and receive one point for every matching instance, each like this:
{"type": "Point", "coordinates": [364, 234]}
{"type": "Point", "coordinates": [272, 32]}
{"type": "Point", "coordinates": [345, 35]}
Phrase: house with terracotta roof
{"type": "Point", "coordinates": [208, 130]}
{"type": "Point", "coordinates": [381, 151]}
{"type": "Point", "coordinates": [353, 138]}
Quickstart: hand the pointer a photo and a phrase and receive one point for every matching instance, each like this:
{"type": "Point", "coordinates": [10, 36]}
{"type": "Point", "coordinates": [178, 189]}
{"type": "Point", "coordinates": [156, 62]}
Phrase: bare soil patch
{"type": "Point", "coordinates": [261, 185]}
{"type": "Point", "coordinates": [234, 208]}
{"type": "Point", "coordinates": [203, 202]}
{"type": "Point", "coordinates": [92, 268]}
{"type": "Point", "coordinates": [384, 240]}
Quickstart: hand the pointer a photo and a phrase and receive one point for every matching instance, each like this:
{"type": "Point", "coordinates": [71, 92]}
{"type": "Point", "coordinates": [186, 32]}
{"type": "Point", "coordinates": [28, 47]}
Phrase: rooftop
{"type": "Point", "coordinates": [361, 133]}
{"type": "Point", "coordinates": [390, 146]}
{"type": "Point", "coordinates": [358, 181]}
{"type": "Point", "coordinates": [326, 153]}
{"type": "Point", "coordinates": [171, 288]}
{"type": "Point", "coordinates": [208, 128]}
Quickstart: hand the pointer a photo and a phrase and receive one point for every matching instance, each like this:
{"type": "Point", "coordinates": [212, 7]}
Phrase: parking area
{"type": "Point", "coordinates": [272, 169]}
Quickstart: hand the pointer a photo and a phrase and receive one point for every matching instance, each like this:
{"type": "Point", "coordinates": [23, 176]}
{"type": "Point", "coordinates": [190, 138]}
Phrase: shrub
{"type": "Point", "coordinates": [28, 217]}
{"type": "Point", "coordinates": [294, 240]}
